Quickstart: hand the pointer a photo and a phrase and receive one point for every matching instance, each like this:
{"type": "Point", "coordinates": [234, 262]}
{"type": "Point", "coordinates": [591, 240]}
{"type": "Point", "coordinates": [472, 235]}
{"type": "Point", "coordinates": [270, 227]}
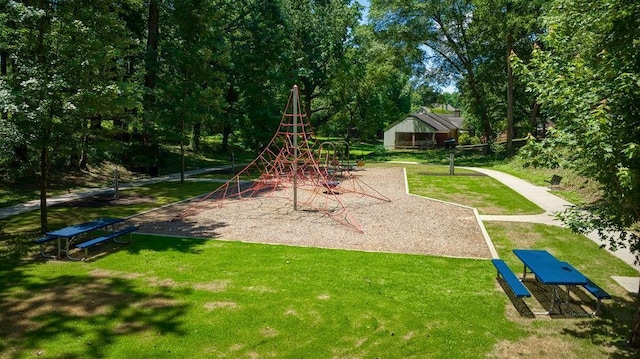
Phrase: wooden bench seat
{"type": "Point", "coordinates": [516, 286]}
{"type": "Point", "coordinates": [86, 245]}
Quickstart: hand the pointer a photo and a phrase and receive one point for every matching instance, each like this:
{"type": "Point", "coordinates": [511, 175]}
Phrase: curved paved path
{"type": "Point", "coordinates": [6, 212]}
{"type": "Point", "coordinates": [550, 203]}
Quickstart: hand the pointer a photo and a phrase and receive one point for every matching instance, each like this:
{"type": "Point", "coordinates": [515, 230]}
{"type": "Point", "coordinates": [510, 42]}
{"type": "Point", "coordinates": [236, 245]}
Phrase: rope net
{"type": "Point", "coordinates": [288, 168]}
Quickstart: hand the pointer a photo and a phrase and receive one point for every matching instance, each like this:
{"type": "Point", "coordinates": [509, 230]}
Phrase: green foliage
{"type": "Point", "coordinates": [470, 50]}
{"type": "Point", "coordinates": [538, 154]}
{"type": "Point", "coordinates": [380, 153]}
{"type": "Point", "coordinates": [588, 80]}
{"type": "Point", "coordinates": [67, 75]}
{"type": "Point", "coordinates": [467, 139]}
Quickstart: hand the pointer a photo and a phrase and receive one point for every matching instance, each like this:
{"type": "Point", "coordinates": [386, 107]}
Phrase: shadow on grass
{"type": "Point", "coordinates": [613, 321]}
{"type": "Point", "coordinates": [78, 316]}
{"type": "Point", "coordinates": [162, 243]}
{"type": "Point", "coordinates": [518, 303]}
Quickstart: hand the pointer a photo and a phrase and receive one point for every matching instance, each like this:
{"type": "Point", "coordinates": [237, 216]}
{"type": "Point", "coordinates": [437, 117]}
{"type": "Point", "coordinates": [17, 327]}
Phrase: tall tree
{"type": "Point", "coordinates": [587, 78]}
{"type": "Point", "coordinates": [65, 61]}
{"type": "Point", "coordinates": [151, 68]}
{"type": "Point", "coordinates": [371, 90]}
{"type": "Point", "coordinates": [191, 77]}
{"type": "Point", "coordinates": [320, 31]}
{"type": "Point", "coordinates": [464, 40]}
{"type": "Point", "coordinates": [442, 27]}
{"type": "Point", "coordinates": [506, 27]}
{"type": "Point", "coordinates": [260, 71]}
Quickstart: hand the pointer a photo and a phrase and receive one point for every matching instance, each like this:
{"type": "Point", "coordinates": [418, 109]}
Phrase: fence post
{"type": "Point", "coordinates": [451, 167]}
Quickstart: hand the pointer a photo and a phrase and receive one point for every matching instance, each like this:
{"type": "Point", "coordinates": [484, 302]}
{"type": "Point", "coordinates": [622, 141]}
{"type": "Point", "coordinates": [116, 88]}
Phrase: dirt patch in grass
{"type": "Point", "coordinates": [215, 287]}
{"type": "Point", "coordinates": [103, 273]}
{"type": "Point", "coordinates": [157, 282]}
{"type": "Point", "coordinates": [216, 305]}
{"type": "Point", "coordinates": [534, 347]}
{"type": "Point", "coordinates": [155, 303]}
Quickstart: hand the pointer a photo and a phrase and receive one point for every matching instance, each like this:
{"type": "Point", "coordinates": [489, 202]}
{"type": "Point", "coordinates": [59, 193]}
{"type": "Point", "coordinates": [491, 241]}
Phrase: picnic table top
{"type": "Point", "coordinates": [77, 229]}
{"type": "Point", "coordinates": [548, 269]}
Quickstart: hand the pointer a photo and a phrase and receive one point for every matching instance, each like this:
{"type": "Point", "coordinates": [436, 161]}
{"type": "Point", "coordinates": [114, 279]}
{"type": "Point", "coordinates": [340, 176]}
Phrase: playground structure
{"type": "Point", "coordinates": [294, 167]}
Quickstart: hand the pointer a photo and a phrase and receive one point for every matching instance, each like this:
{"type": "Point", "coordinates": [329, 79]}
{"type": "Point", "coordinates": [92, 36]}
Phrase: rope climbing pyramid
{"type": "Point", "coordinates": [289, 168]}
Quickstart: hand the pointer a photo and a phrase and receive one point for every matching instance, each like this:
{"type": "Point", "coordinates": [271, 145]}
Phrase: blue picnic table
{"type": "Point", "coordinates": [71, 232]}
{"type": "Point", "coordinates": [550, 271]}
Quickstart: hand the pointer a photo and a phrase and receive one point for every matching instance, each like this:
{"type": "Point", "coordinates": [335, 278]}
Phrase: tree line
{"type": "Point", "coordinates": [86, 81]}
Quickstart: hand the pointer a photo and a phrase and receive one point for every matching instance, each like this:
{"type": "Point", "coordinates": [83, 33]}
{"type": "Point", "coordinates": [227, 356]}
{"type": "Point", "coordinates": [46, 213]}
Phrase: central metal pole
{"type": "Point", "coordinates": [295, 147]}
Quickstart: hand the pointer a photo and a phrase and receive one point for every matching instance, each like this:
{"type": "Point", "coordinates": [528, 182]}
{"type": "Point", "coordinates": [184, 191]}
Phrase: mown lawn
{"type": "Point", "coordinates": [469, 188]}
{"type": "Point", "coordinates": [187, 298]}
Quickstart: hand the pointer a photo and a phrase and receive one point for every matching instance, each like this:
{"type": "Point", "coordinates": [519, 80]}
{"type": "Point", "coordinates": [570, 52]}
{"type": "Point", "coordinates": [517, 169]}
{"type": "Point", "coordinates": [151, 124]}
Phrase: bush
{"type": "Point", "coordinates": [466, 139]}
{"type": "Point", "coordinates": [535, 154]}
{"type": "Point", "coordinates": [380, 152]}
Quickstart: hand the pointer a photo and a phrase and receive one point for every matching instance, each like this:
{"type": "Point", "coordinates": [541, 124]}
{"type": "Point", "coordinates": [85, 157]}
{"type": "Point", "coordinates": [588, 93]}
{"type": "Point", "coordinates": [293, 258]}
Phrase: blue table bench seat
{"type": "Point", "coordinates": [597, 292]}
{"type": "Point", "coordinates": [41, 241]}
{"type": "Point", "coordinates": [113, 235]}
{"type": "Point", "coordinates": [518, 289]}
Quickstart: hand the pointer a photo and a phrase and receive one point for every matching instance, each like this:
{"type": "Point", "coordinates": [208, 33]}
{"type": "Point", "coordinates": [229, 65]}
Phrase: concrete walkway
{"type": "Point", "coordinates": [545, 200]}
{"type": "Point", "coordinates": [88, 192]}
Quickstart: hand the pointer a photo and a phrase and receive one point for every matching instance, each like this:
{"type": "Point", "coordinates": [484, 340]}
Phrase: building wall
{"type": "Point", "coordinates": [409, 125]}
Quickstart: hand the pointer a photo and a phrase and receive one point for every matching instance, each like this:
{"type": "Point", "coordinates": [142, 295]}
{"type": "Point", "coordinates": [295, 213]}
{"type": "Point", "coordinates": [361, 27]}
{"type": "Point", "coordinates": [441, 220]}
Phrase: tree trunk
{"type": "Point", "coordinates": [3, 63]}
{"type": "Point", "coordinates": [195, 137]}
{"type": "Point", "coordinates": [44, 151]}
{"type": "Point", "coordinates": [151, 66]}
{"type": "Point", "coordinates": [82, 161]}
{"type": "Point", "coordinates": [182, 149]}
{"type": "Point", "coordinates": [479, 98]}
{"type": "Point", "coordinates": [307, 91]}
{"type": "Point", "coordinates": [634, 339]}
{"type": "Point", "coordinates": [510, 131]}
{"type": "Point", "coordinates": [3, 73]}
{"type": "Point", "coordinates": [151, 58]}
{"type": "Point", "coordinates": [44, 173]}
{"type": "Point", "coordinates": [232, 97]}
{"type": "Point", "coordinates": [535, 110]}
{"type": "Point", "coordinates": [226, 132]}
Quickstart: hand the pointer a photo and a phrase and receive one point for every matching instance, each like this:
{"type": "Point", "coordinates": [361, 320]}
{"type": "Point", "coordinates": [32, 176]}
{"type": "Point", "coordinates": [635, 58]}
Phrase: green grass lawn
{"type": "Point", "coordinates": [469, 188]}
{"type": "Point", "coordinates": [186, 297]}
{"type": "Point", "coordinates": [192, 298]}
